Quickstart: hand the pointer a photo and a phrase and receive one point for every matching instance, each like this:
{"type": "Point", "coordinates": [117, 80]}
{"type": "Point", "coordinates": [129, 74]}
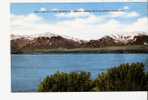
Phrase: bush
{"type": "Point", "coordinates": [146, 80]}
{"type": "Point", "coordinates": [126, 77]}
{"type": "Point", "coordinates": [74, 81]}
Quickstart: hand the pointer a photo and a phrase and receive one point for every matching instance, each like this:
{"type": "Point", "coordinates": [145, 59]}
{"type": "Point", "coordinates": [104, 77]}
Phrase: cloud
{"type": "Point", "coordinates": [125, 7]}
{"type": "Point", "coordinates": [124, 14]}
{"type": "Point", "coordinates": [117, 14]}
{"type": "Point", "coordinates": [140, 25]}
{"type": "Point", "coordinates": [42, 9]}
{"type": "Point", "coordinates": [90, 27]}
{"type": "Point", "coordinates": [133, 14]}
{"type": "Point", "coordinates": [26, 24]}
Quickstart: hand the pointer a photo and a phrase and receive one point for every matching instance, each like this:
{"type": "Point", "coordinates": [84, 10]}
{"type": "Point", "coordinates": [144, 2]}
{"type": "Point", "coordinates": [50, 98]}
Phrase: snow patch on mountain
{"type": "Point", "coordinates": [46, 34]}
{"type": "Point", "coordinates": [122, 37]}
{"type": "Point", "coordinates": [126, 37]}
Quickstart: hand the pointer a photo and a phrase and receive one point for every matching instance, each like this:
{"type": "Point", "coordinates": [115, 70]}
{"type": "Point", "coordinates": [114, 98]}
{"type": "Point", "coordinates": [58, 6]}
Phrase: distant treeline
{"type": "Point", "coordinates": [125, 77]}
{"type": "Point", "coordinates": [111, 49]}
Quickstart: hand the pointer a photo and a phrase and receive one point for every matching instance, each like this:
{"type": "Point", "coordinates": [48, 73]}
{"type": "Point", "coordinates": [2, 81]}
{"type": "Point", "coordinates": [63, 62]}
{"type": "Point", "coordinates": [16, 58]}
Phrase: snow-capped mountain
{"type": "Point", "coordinates": [126, 37]}
{"type": "Point", "coordinates": [53, 41]}
{"type": "Point", "coordinates": [122, 37]}
{"type": "Point", "coordinates": [46, 34]}
{"type": "Point", "coordinates": [32, 36]}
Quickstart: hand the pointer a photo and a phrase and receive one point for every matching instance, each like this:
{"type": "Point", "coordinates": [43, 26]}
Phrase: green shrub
{"type": "Point", "coordinates": [126, 77]}
{"type": "Point", "coordinates": [146, 80]}
{"type": "Point", "coordinates": [74, 81]}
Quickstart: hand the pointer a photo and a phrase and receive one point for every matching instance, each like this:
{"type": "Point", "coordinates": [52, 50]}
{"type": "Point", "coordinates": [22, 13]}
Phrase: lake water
{"type": "Point", "coordinates": [27, 71]}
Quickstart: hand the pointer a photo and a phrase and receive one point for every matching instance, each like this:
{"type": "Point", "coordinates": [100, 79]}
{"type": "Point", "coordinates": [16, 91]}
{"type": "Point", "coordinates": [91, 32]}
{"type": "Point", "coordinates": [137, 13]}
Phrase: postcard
{"type": "Point", "coordinates": [79, 47]}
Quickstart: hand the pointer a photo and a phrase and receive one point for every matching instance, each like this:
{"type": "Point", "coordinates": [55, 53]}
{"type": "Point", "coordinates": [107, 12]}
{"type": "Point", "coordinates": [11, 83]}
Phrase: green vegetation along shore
{"type": "Point", "coordinates": [111, 49]}
{"type": "Point", "coordinates": [125, 77]}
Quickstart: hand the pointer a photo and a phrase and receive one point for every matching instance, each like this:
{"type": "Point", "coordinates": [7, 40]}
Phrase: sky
{"type": "Point", "coordinates": [109, 18]}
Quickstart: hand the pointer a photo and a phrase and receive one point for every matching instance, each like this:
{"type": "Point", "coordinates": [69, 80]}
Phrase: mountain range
{"type": "Point", "coordinates": [21, 43]}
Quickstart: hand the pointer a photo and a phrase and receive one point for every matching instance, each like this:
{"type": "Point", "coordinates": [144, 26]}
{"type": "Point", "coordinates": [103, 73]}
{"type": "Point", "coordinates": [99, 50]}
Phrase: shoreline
{"type": "Point", "coordinates": [111, 49]}
{"type": "Point", "coordinates": [38, 53]}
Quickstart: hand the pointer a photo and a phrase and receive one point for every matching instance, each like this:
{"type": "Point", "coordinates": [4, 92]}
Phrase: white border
{"type": "Point", "coordinates": [79, 1]}
{"type": "Point", "coordinates": [5, 76]}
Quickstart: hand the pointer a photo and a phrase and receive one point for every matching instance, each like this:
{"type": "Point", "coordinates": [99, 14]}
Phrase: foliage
{"type": "Point", "coordinates": [126, 77]}
{"type": "Point", "coordinates": [74, 81]}
{"type": "Point", "coordinates": [146, 80]}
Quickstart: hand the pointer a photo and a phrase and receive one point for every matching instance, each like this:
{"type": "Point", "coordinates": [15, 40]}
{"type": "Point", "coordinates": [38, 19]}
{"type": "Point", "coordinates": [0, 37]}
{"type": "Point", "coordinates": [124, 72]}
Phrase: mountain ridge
{"type": "Point", "coordinates": [53, 41]}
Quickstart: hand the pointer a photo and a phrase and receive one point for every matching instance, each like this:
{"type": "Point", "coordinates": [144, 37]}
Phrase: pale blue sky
{"type": "Point", "coordinates": [132, 19]}
{"type": "Point", "coordinates": [24, 9]}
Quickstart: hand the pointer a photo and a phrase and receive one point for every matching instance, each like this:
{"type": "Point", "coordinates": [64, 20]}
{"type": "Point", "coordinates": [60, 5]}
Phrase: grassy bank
{"type": "Point", "coordinates": [111, 49]}
{"type": "Point", "coordinates": [126, 77]}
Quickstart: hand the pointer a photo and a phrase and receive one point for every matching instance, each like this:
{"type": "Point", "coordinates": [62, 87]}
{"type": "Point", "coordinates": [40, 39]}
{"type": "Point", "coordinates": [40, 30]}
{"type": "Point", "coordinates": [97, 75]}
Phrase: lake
{"type": "Point", "coordinates": [27, 71]}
